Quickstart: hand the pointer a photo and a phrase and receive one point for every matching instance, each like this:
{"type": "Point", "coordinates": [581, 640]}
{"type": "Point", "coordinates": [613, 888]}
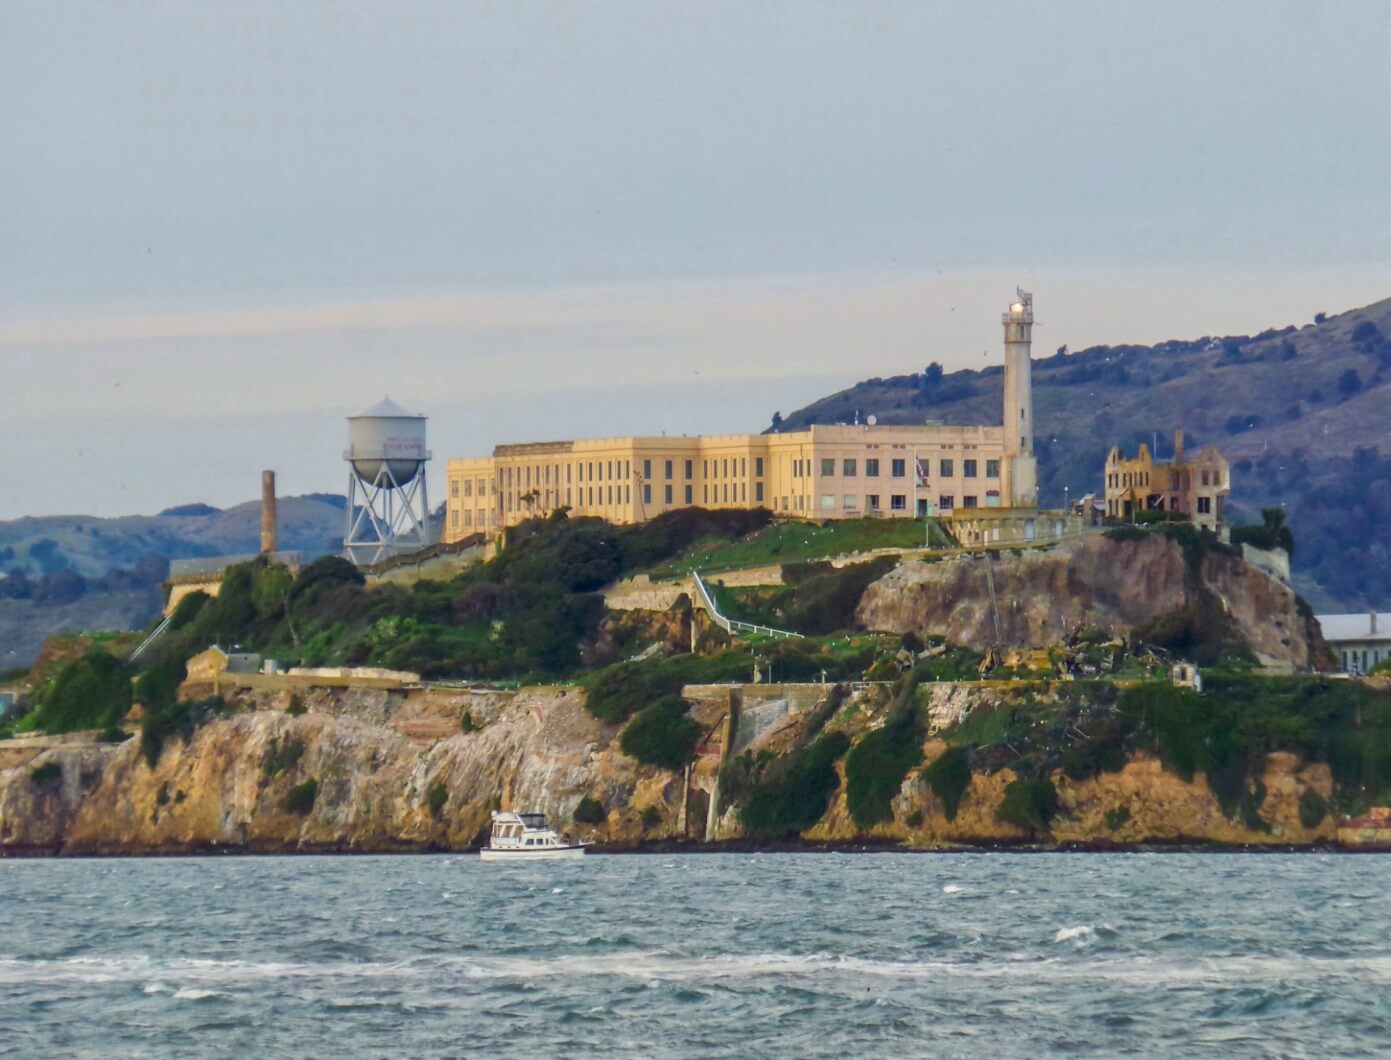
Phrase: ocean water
{"type": "Point", "coordinates": [943, 955]}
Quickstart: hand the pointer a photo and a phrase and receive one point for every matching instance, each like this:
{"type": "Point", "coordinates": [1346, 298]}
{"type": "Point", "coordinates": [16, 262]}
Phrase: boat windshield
{"type": "Point", "coordinates": [533, 820]}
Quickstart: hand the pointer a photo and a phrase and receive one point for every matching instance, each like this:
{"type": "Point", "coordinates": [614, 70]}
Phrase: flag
{"type": "Point", "coordinates": [922, 471]}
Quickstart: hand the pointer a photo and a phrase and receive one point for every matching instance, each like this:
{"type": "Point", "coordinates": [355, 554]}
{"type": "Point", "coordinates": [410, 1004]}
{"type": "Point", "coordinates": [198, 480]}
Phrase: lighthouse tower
{"type": "Point", "coordinates": [1019, 402]}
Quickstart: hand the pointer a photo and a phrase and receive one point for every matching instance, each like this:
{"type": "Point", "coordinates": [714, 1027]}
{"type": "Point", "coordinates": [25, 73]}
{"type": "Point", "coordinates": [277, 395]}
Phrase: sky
{"type": "Point", "coordinates": [225, 227]}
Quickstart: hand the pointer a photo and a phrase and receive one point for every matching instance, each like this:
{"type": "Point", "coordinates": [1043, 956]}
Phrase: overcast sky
{"type": "Point", "coordinates": [223, 227]}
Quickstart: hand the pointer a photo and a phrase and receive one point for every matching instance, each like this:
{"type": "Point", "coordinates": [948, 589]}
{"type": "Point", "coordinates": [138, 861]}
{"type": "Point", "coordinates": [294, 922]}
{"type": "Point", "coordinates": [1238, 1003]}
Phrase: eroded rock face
{"type": "Point", "coordinates": [1115, 586]}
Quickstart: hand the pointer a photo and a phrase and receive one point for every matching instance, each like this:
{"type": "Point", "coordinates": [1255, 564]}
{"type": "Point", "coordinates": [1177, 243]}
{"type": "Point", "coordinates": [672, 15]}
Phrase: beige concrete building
{"type": "Point", "coordinates": [823, 472]}
{"type": "Point", "coordinates": [1197, 488]}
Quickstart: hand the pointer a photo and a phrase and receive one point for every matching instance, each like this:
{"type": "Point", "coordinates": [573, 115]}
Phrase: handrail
{"type": "Point", "coordinates": [154, 636]}
{"type": "Point", "coordinates": [729, 625]}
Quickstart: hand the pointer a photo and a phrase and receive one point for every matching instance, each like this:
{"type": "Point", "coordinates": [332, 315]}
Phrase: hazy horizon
{"type": "Point", "coordinates": [230, 227]}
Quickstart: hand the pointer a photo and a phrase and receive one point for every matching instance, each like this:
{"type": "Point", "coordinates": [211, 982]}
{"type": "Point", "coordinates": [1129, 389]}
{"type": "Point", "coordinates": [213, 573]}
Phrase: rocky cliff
{"type": "Point", "coordinates": [1116, 586]}
{"type": "Point", "coordinates": [421, 771]}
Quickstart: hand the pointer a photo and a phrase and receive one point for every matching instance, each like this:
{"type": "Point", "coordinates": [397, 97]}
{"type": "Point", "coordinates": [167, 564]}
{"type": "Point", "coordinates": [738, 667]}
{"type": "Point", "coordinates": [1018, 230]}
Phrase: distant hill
{"type": "Point", "coordinates": [64, 573]}
{"type": "Point", "coordinates": [1303, 413]}
{"type": "Point", "coordinates": [92, 546]}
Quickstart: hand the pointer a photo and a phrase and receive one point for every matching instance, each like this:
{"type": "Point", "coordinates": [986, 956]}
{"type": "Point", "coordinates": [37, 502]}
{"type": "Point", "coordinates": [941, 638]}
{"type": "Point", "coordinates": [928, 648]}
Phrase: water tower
{"type": "Point", "coordinates": [388, 510]}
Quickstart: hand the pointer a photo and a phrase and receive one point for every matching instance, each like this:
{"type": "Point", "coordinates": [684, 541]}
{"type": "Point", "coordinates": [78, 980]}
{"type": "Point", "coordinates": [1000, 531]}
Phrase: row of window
{"type": "Point", "coordinates": [849, 468]}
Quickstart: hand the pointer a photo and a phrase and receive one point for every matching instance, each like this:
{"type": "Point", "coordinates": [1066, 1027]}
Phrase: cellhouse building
{"type": "Point", "coordinates": [982, 478]}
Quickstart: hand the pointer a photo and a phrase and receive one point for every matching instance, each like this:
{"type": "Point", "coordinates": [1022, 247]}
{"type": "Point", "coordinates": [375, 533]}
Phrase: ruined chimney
{"type": "Point", "coordinates": [1374, 623]}
{"type": "Point", "coordinates": [1178, 446]}
{"type": "Point", "coordinates": [268, 542]}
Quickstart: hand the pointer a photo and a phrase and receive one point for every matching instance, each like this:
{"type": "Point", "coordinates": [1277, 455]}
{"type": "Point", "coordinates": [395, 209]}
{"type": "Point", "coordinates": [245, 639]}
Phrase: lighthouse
{"type": "Point", "coordinates": [1019, 402]}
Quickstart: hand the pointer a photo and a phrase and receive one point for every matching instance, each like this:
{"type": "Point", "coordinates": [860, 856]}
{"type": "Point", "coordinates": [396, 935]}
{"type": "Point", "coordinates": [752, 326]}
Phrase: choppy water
{"type": "Point", "coordinates": [714, 955]}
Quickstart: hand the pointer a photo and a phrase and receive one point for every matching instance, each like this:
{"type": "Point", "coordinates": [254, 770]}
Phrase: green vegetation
{"type": "Point", "coordinates": [467, 722]}
{"type": "Point", "coordinates": [794, 541]}
{"type": "Point", "coordinates": [281, 757]}
{"type": "Point", "coordinates": [662, 734]}
{"type": "Point", "coordinates": [175, 718]}
{"type": "Point", "coordinates": [1313, 808]}
{"type": "Point", "coordinates": [876, 766]}
{"type": "Point", "coordinates": [1029, 803]}
{"type": "Point", "coordinates": [92, 692]}
{"type": "Point", "coordinates": [296, 707]}
{"type": "Point", "coordinates": [816, 598]}
{"type": "Point", "coordinates": [792, 792]}
{"type": "Point", "coordinates": [949, 777]}
{"type": "Point", "coordinates": [436, 797]}
{"type": "Point", "coordinates": [1117, 817]}
{"type": "Point", "coordinates": [300, 799]}
{"type": "Point", "coordinates": [45, 773]}
{"type": "Point", "coordinates": [619, 691]}
{"type": "Point", "coordinates": [651, 817]}
{"type": "Point", "coordinates": [1272, 533]}
{"type": "Point", "coordinates": [590, 811]}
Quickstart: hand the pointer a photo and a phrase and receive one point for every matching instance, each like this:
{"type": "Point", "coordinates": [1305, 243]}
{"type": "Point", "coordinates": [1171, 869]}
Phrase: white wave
{"type": "Point", "coordinates": [1079, 932]}
{"type": "Point", "coordinates": [951, 888]}
{"type": "Point", "coordinates": [156, 988]}
{"type": "Point", "coordinates": [188, 993]}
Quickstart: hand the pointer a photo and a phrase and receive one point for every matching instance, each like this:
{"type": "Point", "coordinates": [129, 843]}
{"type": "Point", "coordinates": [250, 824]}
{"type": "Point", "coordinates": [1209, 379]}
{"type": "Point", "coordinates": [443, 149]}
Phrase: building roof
{"type": "Point", "coordinates": [388, 410]}
{"type": "Point", "coordinates": [1340, 628]}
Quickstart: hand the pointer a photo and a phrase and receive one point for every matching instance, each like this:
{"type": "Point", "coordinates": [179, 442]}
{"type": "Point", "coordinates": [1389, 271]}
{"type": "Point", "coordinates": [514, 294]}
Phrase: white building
{"type": "Point", "coordinates": [1361, 640]}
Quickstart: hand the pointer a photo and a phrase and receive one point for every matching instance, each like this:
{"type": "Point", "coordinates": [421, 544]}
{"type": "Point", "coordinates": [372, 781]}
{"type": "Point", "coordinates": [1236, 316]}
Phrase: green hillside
{"type": "Point", "coordinates": [1303, 413]}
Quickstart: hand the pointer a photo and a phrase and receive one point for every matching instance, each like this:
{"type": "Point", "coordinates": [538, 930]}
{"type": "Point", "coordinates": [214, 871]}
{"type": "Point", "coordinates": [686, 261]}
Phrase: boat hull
{"type": "Point", "coordinates": [569, 853]}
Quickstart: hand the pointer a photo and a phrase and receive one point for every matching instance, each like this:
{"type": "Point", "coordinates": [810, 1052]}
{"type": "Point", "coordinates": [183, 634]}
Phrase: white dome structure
{"type": "Point", "coordinates": [388, 509]}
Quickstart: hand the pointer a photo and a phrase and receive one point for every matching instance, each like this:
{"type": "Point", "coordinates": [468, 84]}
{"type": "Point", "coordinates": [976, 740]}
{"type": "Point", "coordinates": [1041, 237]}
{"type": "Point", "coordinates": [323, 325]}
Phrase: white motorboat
{"type": "Point", "coordinates": [525, 837]}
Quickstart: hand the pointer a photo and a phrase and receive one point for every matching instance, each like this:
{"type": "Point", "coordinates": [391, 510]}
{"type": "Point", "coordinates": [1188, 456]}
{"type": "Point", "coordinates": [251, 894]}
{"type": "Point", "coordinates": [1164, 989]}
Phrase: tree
{"type": "Point", "coordinates": [932, 374]}
{"type": "Point", "coordinates": [777, 421]}
{"type": "Point", "coordinates": [1320, 318]}
{"type": "Point", "coordinates": [1349, 383]}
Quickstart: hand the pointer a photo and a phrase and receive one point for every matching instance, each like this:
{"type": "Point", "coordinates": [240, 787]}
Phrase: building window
{"type": "Point", "coordinates": [968, 470]}
{"type": "Point", "coordinates": [872, 502]}
{"type": "Point", "coordinates": [758, 492]}
{"type": "Point", "coordinates": [992, 469]}
{"type": "Point", "coordinates": [743, 492]}
{"type": "Point", "coordinates": [758, 466]}
{"type": "Point", "coordinates": [968, 501]}
{"type": "Point", "coordinates": [898, 468]}
{"type": "Point", "coordinates": [828, 501]}
{"type": "Point", "coordinates": [454, 519]}
{"type": "Point", "coordinates": [724, 492]}
{"type": "Point", "coordinates": [724, 468]}
{"type": "Point", "coordinates": [706, 498]}
{"type": "Point", "coordinates": [847, 467]}
{"type": "Point", "coordinates": [744, 466]}
{"type": "Point", "coordinates": [945, 468]}
{"type": "Point", "coordinates": [689, 465]}
{"type": "Point", "coordinates": [850, 502]}
{"type": "Point", "coordinates": [898, 502]}
{"type": "Point", "coordinates": [454, 488]}
{"type": "Point", "coordinates": [1204, 505]}
{"type": "Point", "coordinates": [690, 494]}
{"type": "Point", "coordinates": [646, 493]}
{"type": "Point", "coordinates": [946, 502]}
{"type": "Point", "coordinates": [667, 493]}
{"type": "Point", "coordinates": [647, 469]}
{"type": "Point", "coordinates": [828, 467]}
{"type": "Point", "coordinates": [667, 469]}
{"type": "Point", "coordinates": [705, 468]}
{"type": "Point", "coordinates": [872, 467]}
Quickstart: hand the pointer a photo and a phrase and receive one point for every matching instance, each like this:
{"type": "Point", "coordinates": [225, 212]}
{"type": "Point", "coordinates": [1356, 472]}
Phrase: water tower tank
{"type": "Point", "coordinates": [386, 437]}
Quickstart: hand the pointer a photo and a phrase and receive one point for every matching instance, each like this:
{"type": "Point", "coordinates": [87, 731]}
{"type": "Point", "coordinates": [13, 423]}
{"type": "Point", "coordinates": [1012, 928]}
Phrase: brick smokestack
{"type": "Point", "coordinates": [1178, 446]}
{"type": "Point", "coordinates": [268, 540]}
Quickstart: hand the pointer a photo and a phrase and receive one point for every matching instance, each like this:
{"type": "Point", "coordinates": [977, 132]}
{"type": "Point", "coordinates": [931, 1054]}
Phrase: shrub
{"type": "Point", "coordinates": [1029, 803]}
{"type": "Point", "coordinates": [49, 771]}
{"type": "Point", "coordinates": [92, 692]}
{"type": "Point", "coordinates": [949, 777]}
{"type": "Point", "coordinates": [436, 797]}
{"type": "Point", "coordinates": [663, 734]}
{"type": "Point", "coordinates": [590, 811]}
{"type": "Point", "coordinates": [824, 600]}
{"type": "Point", "coordinates": [281, 757]}
{"type": "Point", "coordinates": [1117, 817]}
{"type": "Point", "coordinates": [793, 792]}
{"type": "Point", "coordinates": [1349, 383]}
{"type": "Point", "coordinates": [296, 706]}
{"type": "Point", "coordinates": [651, 817]}
{"type": "Point", "coordinates": [301, 798]}
{"type": "Point", "coordinates": [467, 722]}
{"type": "Point", "coordinates": [914, 819]}
{"type": "Point", "coordinates": [174, 719]}
{"type": "Point", "coordinates": [876, 766]}
{"type": "Point", "coordinates": [1313, 808]}
{"type": "Point", "coordinates": [619, 691]}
